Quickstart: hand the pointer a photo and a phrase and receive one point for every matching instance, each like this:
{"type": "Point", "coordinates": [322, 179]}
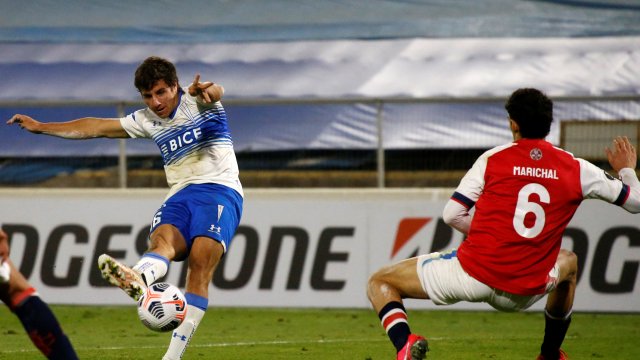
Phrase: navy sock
{"type": "Point", "coordinates": [555, 330]}
{"type": "Point", "coordinates": [44, 330]}
{"type": "Point", "coordinates": [393, 317]}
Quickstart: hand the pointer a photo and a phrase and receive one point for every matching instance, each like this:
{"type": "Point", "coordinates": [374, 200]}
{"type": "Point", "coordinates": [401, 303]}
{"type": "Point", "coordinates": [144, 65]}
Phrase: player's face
{"type": "Point", "coordinates": [162, 99]}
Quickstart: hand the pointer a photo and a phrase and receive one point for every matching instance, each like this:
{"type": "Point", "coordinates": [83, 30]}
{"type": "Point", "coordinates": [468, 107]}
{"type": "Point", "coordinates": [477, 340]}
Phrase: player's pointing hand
{"type": "Point", "coordinates": [207, 91]}
{"type": "Point", "coordinates": [198, 88]}
{"type": "Point", "coordinates": [25, 122]}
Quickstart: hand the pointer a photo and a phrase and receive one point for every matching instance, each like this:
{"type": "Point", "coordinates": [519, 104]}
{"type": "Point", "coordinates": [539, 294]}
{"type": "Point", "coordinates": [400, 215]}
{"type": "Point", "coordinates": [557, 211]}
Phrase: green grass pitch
{"type": "Point", "coordinates": [246, 333]}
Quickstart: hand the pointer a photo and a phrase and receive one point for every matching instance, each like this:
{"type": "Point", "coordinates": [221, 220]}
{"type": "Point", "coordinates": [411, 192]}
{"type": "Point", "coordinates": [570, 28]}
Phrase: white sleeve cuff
{"type": "Point", "coordinates": [629, 177]}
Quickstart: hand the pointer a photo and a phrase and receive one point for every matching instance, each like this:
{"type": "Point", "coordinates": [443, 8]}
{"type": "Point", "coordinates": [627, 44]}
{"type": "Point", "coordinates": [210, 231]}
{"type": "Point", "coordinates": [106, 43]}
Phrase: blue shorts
{"type": "Point", "coordinates": [209, 210]}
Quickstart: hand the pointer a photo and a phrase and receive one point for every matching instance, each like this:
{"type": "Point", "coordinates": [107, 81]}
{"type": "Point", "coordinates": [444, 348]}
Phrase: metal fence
{"type": "Point", "coordinates": [355, 142]}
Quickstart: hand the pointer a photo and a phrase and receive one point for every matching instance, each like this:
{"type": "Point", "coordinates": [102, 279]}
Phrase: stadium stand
{"type": "Point", "coordinates": [318, 94]}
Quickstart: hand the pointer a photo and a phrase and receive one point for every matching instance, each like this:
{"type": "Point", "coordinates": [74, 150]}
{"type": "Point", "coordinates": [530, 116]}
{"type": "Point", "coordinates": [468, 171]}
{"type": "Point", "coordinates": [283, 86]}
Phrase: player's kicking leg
{"type": "Point", "coordinates": [165, 242]}
{"type": "Point", "coordinates": [121, 276]}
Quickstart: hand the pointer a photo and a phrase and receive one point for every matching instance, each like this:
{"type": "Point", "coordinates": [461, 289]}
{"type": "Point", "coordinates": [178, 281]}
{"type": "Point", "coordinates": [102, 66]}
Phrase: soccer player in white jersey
{"type": "Point", "coordinates": [203, 208]}
{"type": "Point", "coordinates": [524, 193]}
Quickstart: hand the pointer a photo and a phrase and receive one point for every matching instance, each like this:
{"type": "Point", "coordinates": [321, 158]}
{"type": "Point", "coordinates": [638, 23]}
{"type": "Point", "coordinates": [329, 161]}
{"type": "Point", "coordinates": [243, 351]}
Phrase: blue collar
{"type": "Point", "coordinates": [180, 93]}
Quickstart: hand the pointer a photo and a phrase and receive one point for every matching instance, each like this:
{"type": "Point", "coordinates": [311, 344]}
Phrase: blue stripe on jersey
{"type": "Point", "coordinates": [208, 137]}
{"type": "Point", "coordinates": [624, 194]}
{"type": "Point", "coordinates": [463, 200]}
{"type": "Point", "coordinates": [216, 117]}
{"type": "Point", "coordinates": [209, 128]}
{"type": "Point", "coordinates": [188, 150]}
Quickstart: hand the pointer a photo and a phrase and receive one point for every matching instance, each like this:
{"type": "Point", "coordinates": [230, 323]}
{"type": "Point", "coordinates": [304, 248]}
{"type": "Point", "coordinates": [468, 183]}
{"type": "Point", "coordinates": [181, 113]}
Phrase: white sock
{"type": "Point", "coordinates": [152, 267]}
{"type": "Point", "coordinates": [181, 336]}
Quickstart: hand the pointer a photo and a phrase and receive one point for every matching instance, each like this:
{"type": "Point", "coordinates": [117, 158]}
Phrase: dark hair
{"type": "Point", "coordinates": [532, 110]}
{"type": "Point", "coordinates": [152, 70]}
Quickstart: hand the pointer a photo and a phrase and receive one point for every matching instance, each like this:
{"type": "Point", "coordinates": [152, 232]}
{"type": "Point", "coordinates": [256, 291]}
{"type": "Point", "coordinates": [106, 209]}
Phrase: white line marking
{"type": "Point", "coordinates": [214, 345]}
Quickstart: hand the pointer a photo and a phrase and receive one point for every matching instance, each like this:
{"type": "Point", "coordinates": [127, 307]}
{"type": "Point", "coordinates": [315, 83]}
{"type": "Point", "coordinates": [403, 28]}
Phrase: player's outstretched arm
{"type": "Point", "coordinates": [623, 158]}
{"type": "Point", "coordinates": [207, 92]}
{"type": "Point", "coordinates": [84, 128]}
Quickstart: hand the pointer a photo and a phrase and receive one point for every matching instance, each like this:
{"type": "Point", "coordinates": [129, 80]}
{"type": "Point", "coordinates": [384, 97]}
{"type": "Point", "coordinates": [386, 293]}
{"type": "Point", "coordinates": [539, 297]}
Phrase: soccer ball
{"type": "Point", "coordinates": [162, 307]}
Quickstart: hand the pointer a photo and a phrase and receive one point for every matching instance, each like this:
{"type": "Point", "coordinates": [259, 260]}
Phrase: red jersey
{"type": "Point", "coordinates": [525, 193]}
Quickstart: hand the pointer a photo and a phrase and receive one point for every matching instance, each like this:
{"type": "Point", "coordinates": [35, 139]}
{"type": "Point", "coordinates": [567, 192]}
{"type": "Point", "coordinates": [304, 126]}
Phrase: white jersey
{"type": "Point", "coordinates": [194, 141]}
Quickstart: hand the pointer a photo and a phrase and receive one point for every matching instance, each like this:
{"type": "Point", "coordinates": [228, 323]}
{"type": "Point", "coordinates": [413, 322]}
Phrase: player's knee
{"type": "Point", "coordinates": [166, 236]}
{"type": "Point", "coordinates": [372, 287]}
{"type": "Point", "coordinates": [568, 261]}
{"type": "Point", "coordinates": [158, 243]}
{"type": "Point", "coordinates": [570, 258]}
{"type": "Point", "coordinates": [377, 276]}
{"type": "Point", "coordinates": [377, 282]}
{"type": "Point", "coordinates": [198, 267]}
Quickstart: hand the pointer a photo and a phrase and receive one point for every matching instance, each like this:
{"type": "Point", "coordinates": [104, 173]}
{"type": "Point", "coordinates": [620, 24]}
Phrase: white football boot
{"type": "Point", "coordinates": [121, 276]}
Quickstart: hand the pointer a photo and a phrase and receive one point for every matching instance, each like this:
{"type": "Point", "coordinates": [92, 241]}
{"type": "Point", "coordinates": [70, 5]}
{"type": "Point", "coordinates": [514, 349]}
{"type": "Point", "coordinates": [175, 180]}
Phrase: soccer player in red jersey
{"type": "Point", "coordinates": [524, 193]}
{"type": "Point", "coordinates": [35, 315]}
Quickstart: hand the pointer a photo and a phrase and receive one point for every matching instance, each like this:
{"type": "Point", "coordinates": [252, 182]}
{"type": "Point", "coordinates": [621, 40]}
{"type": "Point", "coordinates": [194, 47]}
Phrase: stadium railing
{"type": "Point", "coordinates": [353, 142]}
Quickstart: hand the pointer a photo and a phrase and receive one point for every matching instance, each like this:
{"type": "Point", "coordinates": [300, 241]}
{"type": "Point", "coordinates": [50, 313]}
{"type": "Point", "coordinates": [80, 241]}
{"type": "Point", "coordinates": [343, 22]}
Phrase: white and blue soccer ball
{"type": "Point", "coordinates": [162, 307]}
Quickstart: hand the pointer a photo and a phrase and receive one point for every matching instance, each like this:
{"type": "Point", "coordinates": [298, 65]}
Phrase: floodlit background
{"type": "Point", "coordinates": [319, 93]}
{"type": "Point", "coordinates": [364, 114]}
